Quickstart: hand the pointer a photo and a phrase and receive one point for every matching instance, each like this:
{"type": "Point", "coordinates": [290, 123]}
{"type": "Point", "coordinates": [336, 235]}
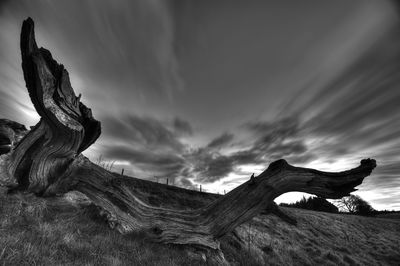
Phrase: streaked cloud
{"type": "Point", "coordinates": [221, 141]}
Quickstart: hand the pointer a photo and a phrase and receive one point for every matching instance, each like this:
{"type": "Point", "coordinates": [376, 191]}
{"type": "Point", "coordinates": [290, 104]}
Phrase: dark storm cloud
{"type": "Point", "coordinates": [212, 168]}
{"type": "Point", "coordinates": [215, 166]}
{"type": "Point", "coordinates": [271, 135]}
{"type": "Point", "coordinates": [283, 127]}
{"type": "Point", "coordinates": [208, 166]}
{"type": "Point", "coordinates": [277, 139]}
{"type": "Point", "coordinates": [220, 141]}
{"type": "Point", "coordinates": [142, 131]}
{"type": "Point", "coordinates": [273, 141]}
{"type": "Point", "coordinates": [153, 161]}
{"type": "Point", "coordinates": [182, 127]}
{"type": "Point", "coordinates": [152, 146]}
{"type": "Point", "coordinates": [268, 152]}
{"type": "Point", "coordinates": [148, 144]}
{"type": "Point", "coordinates": [247, 156]}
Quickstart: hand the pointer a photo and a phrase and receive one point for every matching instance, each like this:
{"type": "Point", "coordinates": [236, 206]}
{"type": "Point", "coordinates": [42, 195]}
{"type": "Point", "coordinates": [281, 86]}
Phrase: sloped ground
{"type": "Point", "coordinates": [68, 231]}
{"type": "Point", "coordinates": [324, 239]}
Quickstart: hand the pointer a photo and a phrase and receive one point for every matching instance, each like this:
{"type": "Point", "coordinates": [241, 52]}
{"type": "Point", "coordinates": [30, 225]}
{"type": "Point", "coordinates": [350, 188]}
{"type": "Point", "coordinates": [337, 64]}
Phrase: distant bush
{"type": "Point", "coordinates": [313, 203]}
{"type": "Point", "coordinates": [355, 204]}
{"type": "Point", "coordinates": [364, 208]}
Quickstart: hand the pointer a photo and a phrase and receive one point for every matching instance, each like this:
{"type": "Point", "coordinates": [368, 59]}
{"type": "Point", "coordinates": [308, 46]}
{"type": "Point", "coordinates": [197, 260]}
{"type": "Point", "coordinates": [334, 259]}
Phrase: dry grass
{"type": "Point", "coordinates": [68, 231]}
{"type": "Point", "coordinates": [325, 239]}
{"type": "Point", "coordinates": [394, 215]}
{"type": "Point", "coordinates": [37, 231]}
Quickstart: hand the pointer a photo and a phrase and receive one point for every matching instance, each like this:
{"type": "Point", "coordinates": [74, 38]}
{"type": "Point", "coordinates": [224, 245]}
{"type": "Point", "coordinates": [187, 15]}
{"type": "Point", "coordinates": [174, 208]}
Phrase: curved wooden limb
{"type": "Point", "coordinates": [249, 199]}
{"type": "Point", "coordinates": [203, 227]}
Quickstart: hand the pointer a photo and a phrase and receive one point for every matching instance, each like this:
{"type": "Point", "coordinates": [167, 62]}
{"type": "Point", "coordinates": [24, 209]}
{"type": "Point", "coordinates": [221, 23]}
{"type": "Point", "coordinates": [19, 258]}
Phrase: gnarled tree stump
{"type": "Point", "coordinates": [48, 161]}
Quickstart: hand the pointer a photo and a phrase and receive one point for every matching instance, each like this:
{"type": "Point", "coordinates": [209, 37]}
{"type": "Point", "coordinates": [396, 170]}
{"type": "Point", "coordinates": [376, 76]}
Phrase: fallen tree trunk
{"type": "Point", "coordinates": [275, 210]}
{"type": "Point", "coordinates": [47, 161]}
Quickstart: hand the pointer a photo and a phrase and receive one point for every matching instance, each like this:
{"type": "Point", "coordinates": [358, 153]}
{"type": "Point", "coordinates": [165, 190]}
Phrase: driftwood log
{"type": "Point", "coordinates": [47, 161]}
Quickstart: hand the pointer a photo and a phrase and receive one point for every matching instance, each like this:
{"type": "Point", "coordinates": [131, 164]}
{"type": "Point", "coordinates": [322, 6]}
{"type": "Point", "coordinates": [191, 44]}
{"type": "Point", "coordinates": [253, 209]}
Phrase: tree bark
{"type": "Point", "coordinates": [47, 161]}
{"type": "Point", "coordinates": [10, 132]}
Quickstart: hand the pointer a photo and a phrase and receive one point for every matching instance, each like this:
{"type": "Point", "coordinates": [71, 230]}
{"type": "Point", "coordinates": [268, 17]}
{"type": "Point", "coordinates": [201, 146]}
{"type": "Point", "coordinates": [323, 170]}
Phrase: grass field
{"type": "Point", "coordinates": [68, 231]}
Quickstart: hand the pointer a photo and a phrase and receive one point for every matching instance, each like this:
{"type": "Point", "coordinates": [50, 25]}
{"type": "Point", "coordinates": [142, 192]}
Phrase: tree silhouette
{"type": "Point", "coordinates": [355, 204]}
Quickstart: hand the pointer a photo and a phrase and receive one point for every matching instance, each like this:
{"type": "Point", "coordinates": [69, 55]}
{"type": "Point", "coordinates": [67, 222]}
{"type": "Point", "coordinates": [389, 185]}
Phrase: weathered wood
{"type": "Point", "coordinates": [66, 128]}
{"type": "Point", "coordinates": [10, 133]}
{"type": "Point", "coordinates": [47, 161]}
{"type": "Point", "coordinates": [127, 213]}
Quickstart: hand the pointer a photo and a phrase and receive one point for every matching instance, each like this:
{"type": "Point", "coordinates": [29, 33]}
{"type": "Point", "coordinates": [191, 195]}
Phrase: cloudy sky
{"type": "Point", "coordinates": [209, 92]}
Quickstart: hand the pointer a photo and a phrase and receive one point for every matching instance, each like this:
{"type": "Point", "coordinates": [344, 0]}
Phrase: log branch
{"type": "Point", "coordinates": [127, 212]}
{"type": "Point", "coordinates": [47, 161]}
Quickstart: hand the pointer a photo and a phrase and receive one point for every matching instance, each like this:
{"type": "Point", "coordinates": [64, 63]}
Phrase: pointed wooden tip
{"type": "Point", "coordinates": [28, 43]}
{"type": "Point", "coordinates": [29, 20]}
